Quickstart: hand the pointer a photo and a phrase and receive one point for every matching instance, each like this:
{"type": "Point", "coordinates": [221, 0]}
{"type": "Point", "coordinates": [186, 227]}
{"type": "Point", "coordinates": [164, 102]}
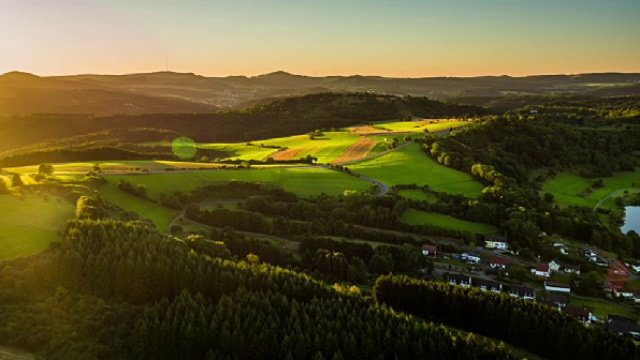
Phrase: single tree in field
{"type": "Point", "coordinates": [3, 187]}
{"type": "Point", "coordinates": [16, 180]}
{"type": "Point", "coordinates": [45, 169]}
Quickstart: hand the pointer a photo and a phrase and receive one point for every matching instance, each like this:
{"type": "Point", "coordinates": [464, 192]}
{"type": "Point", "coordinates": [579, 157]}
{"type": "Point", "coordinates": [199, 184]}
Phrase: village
{"type": "Point", "coordinates": [496, 268]}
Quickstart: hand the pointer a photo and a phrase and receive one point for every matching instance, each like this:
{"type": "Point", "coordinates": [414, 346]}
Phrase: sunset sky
{"type": "Point", "coordinates": [404, 38]}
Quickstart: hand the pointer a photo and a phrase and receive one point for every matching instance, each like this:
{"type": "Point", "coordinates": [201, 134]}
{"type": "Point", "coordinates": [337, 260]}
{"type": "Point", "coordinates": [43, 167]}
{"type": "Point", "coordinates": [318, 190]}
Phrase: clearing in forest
{"type": "Point", "coordinates": [357, 151]}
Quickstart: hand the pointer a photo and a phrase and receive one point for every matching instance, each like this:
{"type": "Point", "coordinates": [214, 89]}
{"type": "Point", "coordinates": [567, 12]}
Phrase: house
{"type": "Point", "coordinates": [620, 292]}
{"type": "Point", "coordinates": [589, 255]}
{"type": "Point", "coordinates": [584, 315]}
{"type": "Point", "coordinates": [495, 242]}
{"type": "Point", "coordinates": [564, 251]}
{"type": "Point", "coordinates": [557, 287]}
{"type": "Point", "coordinates": [558, 244]}
{"type": "Point", "coordinates": [635, 267]}
{"type": "Point", "coordinates": [488, 285]}
{"type": "Point", "coordinates": [542, 270]}
{"type": "Point", "coordinates": [571, 269]}
{"type": "Point", "coordinates": [460, 280]}
{"type": "Point", "coordinates": [524, 292]}
{"type": "Point", "coordinates": [636, 297]}
{"type": "Point", "coordinates": [429, 250]}
{"type": "Point", "coordinates": [499, 263]}
{"type": "Point", "coordinates": [557, 300]}
{"type": "Point", "coordinates": [471, 258]}
{"type": "Point", "coordinates": [554, 265]}
{"type": "Point", "coordinates": [602, 262]}
{"type": "Point", "coordinates": [621, 325]}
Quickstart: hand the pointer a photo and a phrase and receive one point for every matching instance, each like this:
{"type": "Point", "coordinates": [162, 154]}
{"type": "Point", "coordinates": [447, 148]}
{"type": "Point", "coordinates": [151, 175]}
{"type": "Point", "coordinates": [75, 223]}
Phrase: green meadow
{"type": "Point", "coordinates": [410, 165]}
{"type": "Point", "coordinates": [601, 307]}
{"type": "Point", "coordinates": [567, 186]}
{"type": "Point", "coordinates": [302, 181]}
{"type": "Point", "coordinates": [30, 223]}
{"type": "Point", "coordinates": [155, 212]}
{"type": "Point", "coordinates": [417, 217]}
{"type": "Point", "coordinates": [416, 194]}
{"type": "Point", "coordinates": [421, 125]}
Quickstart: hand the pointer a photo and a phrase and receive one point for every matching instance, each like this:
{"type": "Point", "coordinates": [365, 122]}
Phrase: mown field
{"type": "Point", "coordinates": [416, 217]}
{"type": "Point", "coordinates": [29, 223]}
{"type": "Point", "coordinates": [566, 188]}
{"type": "Point", "coordinates": [301, 181]}
{"type": "Point", "coordinates": [410, 165]}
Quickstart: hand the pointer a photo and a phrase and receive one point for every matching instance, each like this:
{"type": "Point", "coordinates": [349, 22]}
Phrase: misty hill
{"type": "Point", "coordinates": [169, 92]}
{"type": "Point", "coordinates": [22, 93]}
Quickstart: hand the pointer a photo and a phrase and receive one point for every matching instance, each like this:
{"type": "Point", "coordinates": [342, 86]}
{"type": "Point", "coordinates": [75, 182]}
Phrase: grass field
{"type": "Point", "coordinates": [241, 151]}
{"type": "Point", "coordinates": [566, 186]}
{"type": "Point", "coordinates": [601, 308]}
{"type": "Point", "coordinates": [30, 223]}
{"type": "Point", "coordinates": [155, 212]}
{"type": "Point", "coordinates": [420, 126]}
{"type": "Point", "coordinates": [301, 181]}
{"type": "Point", "coordinates": [416, 217]}
{"type": "Point", "coordinates": [80, 168]}
{"type": "Point", "coordinates": [410, 165]}
{"type": "Point", "coordinates": [416, 194]}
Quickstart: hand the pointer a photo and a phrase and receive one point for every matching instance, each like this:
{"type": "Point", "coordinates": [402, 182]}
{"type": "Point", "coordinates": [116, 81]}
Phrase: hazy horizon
{"type": "Point", "coordinates": [410, 39]}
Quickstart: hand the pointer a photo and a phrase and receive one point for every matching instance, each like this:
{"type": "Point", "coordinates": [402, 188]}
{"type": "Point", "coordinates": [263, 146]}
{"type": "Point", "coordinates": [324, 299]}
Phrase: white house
{"type": "Point", "coordinates": [498, 263]}
{"type": "Point", "coordinates": [554, 265]}
{"type": "Point", "coordinates": [627, 294]}
{"type": "Point", "coordinates": [635, 267]}
{"type": "Point", "coordinates": [471, 258]}
{"type": "Point", "coordinates": [429, 250]}
{"type": "Point", "coordinates": [524, 292]}
{"type": "Point", "coordinates": [460, 280]}
{"type": "Point", "coordinates": [571, 269]}
{"type": "Point", "coordinates": [488, 285]}
{"type": "Point", "coordinates": [542, 270]}
{"type": "Point", "coordinates": [496, 242]}
{"type": "Point", "coordinates": [557, 287]}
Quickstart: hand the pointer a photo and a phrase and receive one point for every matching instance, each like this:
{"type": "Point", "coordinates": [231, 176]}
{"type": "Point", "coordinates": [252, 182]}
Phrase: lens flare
{"type": "Point", "coordinates": [184, 148]}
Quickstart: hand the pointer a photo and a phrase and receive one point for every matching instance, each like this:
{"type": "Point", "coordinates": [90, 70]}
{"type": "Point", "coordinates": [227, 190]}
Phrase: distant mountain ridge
{"type": "Point", "coordinates": [170, 92]}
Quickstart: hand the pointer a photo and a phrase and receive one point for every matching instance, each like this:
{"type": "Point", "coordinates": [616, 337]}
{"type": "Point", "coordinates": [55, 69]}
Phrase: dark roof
{"type": "Point", "coordinates": [488, 283]}
{"type": "Point", "coordinates": [476, 254]}
{"type": "Point", "coordinates": [543, 268]}
{"type": "Point", "coordinates": [522, 290]}
{"type": "Point", "coordinates": [430, 248]}
{"type": "Point", "coordinates": [499, 261]}
{"type": "Point", "coordinates": [572, 267]}
{"type": "Point", "coordinates": [623, 327]}
{"type": "Point", "coordinates": [495, 238]}
{"type": "Point", "coordinates": [557, 299]}
{"type": "Point", "coordinates": [620, 318]}
{"type": "Point", "coordinates": [576, 311]}
{"type": "Point", "coordinates": [557, 284]}
{"type": "Point", "coordinates": [459, 278]}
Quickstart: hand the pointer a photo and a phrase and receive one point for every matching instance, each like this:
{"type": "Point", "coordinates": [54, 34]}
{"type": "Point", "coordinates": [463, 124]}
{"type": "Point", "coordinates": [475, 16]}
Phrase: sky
{"type": "Point", "coordinates": [401, 38]}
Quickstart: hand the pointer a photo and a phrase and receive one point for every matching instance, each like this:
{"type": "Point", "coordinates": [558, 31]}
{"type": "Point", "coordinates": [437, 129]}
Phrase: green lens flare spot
{"type": "Point", "coordinates": [184, 148]}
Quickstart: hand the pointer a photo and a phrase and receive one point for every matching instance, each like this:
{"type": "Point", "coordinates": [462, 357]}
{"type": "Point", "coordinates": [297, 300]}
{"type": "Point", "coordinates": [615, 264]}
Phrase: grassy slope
{"type": "Point", "coordinates": [601, 308]}
{"type": "Point", "coordinates": [30, 223]}
{"type": "Point", "coordinates": [239, 151]}
{"type": "Point", "coordinates": [326, 148]}
{"type": "Point", "coordinates": [566, 187]}
{"type": "Point", "coordinates": [410, 165]}
{"type": "Point", "coordinates": [417, 195]}
{"type": "Point", "coordinates": [420, 126]}
{"type": "Point", "coordinates": [416, 217]}
{"type": "Point", "coordinates": [160, 215]}
{"type": "Point", "coordinates": [302, 181]}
